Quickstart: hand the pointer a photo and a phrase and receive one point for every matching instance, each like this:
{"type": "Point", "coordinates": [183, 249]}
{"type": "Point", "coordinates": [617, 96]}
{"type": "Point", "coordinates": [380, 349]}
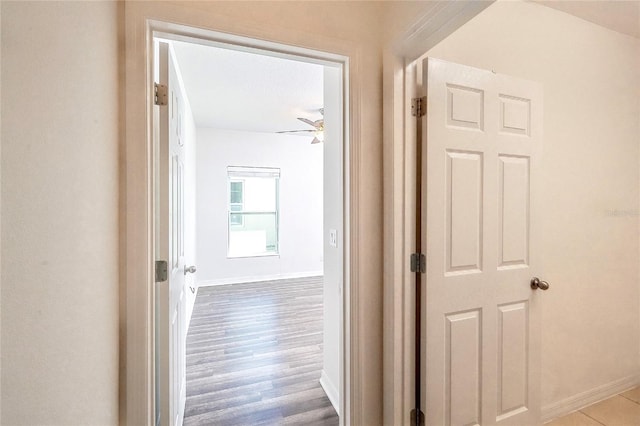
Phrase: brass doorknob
{"type": "Point", "coordinates": [536, 283]}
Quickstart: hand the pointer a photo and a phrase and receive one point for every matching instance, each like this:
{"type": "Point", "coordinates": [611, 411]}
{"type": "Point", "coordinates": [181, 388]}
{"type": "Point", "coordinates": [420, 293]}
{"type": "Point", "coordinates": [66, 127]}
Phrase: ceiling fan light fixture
{"type": "Point", "coordinates": [317, 131]}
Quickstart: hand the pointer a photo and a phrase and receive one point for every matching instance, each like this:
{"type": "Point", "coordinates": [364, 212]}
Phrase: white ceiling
{"type": "Point", "coordinates": [620, 16]}
{"type": "Point", "coordinates": [229, 89]}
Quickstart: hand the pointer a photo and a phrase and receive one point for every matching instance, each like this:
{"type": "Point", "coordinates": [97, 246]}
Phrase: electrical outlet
{"type": "Point", "coordinates": [333, 238]}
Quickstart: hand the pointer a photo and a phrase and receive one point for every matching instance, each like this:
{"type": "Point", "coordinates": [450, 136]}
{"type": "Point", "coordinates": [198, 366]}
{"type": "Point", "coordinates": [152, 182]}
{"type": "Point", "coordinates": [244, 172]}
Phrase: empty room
{"type": "Point", "coordinates": [249, 316]}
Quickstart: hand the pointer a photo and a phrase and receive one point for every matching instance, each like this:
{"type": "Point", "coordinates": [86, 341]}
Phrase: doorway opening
{"type": "Point", "coordinates": [250, 217]}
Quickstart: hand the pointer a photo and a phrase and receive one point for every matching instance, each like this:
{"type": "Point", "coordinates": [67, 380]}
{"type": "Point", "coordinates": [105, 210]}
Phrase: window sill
{"type": "Point", "coordinates": [252, 255]}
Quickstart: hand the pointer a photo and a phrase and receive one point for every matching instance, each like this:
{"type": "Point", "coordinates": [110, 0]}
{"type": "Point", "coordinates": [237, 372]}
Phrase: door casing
{"type": "Point", "coordinates": [400, 142]}
{"type": "Point", "coordinates": [138, 389]}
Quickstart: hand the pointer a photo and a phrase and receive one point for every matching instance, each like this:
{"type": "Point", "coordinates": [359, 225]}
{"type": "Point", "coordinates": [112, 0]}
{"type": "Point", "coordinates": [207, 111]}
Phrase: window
{"type": "Point", "coordinates": [253, 211]}
{"type": "Point", "coordinates": [236, 191]}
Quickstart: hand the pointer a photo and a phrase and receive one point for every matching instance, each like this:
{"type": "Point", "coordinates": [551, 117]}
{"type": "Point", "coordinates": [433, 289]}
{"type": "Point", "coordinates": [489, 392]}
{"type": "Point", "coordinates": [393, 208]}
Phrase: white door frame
{"type": "Point", "coordinates": [172, 32]}
{"type": "Point", "coordinates": [137, 389]}
{"type": "Point", "coordinates": [399, 157]}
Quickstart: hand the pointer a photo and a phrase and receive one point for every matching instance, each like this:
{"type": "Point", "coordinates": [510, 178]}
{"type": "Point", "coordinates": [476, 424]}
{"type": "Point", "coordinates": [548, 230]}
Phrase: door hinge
{"type": "Point", "coordinates": [161, 271]}
{"type": "Point", "coordinates": [419, 106]}
{"type": "Point", "coordinates": [418, 263]}
{"type": "Point", "coordinates": [417, 417]}
{"type": "Point", "coordinates": [160, 94]}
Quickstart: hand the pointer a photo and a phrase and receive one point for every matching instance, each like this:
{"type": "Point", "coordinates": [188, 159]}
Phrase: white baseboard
{"type": "Point", "coordinates": [331, 391]}
{"type": "Point", "coordinates": [583, 399]}
{"type": "Point", "coordinates": [258, 278]}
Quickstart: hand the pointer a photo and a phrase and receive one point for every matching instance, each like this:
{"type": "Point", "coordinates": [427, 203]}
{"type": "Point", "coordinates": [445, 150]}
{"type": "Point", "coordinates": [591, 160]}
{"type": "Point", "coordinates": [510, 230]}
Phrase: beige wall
{"type": "Point", "coordinates": [60, 213]}
{"type": "Point", "coordinates": [591, 78]}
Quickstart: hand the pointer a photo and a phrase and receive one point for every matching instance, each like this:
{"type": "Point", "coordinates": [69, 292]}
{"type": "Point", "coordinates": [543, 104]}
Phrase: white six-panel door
{"type": "Point", "coordinates": [481, 348]}
{"type": "Point", "coordinates": [171, 321]}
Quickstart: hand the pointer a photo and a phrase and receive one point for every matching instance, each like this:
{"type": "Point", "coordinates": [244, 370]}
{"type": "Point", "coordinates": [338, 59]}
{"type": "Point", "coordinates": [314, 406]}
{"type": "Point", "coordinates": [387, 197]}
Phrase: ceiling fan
{"type": "Point", "coordinates": [318, 128]}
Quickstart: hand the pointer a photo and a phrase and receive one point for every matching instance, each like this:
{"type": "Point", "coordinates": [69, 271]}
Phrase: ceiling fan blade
{"type": "Point", "coordinates": [297, 131]}
{"type": "Point", "coordinates": [306, 120]}
{"type": "Point", "coordinates": [315, 140]}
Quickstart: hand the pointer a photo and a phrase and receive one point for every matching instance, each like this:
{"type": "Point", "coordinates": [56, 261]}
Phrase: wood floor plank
{"type": "Point", "coordinates": [324, 416]}
{"type": "Point", "coordinates": [254, 355]}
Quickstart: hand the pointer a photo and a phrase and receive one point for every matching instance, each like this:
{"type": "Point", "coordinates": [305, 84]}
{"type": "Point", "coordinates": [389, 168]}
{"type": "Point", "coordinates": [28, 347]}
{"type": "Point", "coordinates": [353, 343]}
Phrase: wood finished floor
{"type": "Point", "coordinates": [254, 355]}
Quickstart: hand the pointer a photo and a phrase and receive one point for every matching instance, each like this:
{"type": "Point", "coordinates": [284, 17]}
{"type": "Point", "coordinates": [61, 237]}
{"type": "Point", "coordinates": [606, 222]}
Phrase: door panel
{"type": "Point", "coordinates": [481, 347]}
{"type": "Point", "coordinates": [465, 107]}
{"type": "Point", "coordinates": [171, 321]}
{"type": "Point", "coordinates": [513, 330]}
{"type": "Point", "coordinates": [513, 220]}
{"type": "Point", "coordinates": [464, 212]}
{"type": "Point", "coordinates": [463, 367]}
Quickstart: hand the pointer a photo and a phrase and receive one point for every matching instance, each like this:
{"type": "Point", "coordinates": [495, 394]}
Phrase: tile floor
{"type": "Point", "coordinates": [619, 410]}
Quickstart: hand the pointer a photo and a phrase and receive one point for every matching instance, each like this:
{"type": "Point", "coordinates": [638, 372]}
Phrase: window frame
{"type": "Point", "coordinates": [240, 174]}
{"type": "Point", "coordinates": [231, 204]}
